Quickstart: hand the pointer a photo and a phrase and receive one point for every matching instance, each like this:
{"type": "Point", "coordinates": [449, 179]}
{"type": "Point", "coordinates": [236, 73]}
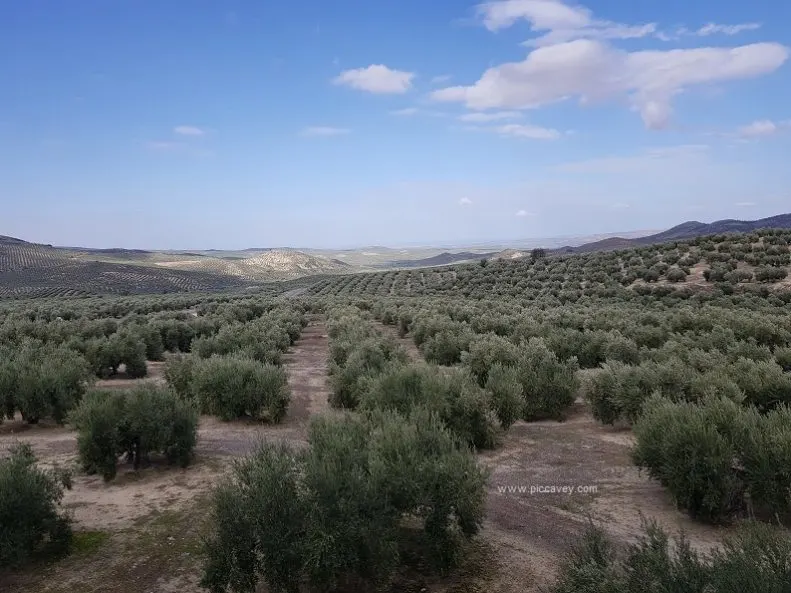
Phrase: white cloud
{"type": "Point", "coordinates": [523, 213]}
{"type": "Point", "coordinates": [377, 78]}
{"type": "Point", "coordinates": [562, 21]}
{"type": "Point", "coordinates": [663, 158]}
{"type": "Point", "coordinates": [713, 29]}
{"type": "Point", "coordinates": [542, 14]}
{"type": "Point", "coordinates": [441, 78]}
{"type": "Point", "coordinates": [324, 131]}
{"type": "Point", "coordinates": [465, 202]}
{"type": "Point", "coordinates": [406, 111]}
{"type": "Point", "coordinates": [620, 206]}
{"type": "Point", "coordinates": [603, 30]}
{"type": "Point", "coordinates": [188, 131]}
{"type": "Point", "coordinates": [595, 71]}
{"type": "Point", "coordinates": [488, 117]}
{"type": "Point", "coordinates": [528, 131]}
{"type": "Point", "coordinates": [745, 204]}
{"type": "Point", "coordinates": [759, 129]}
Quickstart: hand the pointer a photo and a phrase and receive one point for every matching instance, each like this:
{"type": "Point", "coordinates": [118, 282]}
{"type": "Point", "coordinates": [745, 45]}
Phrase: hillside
{"type": "Point", "coordinates": [443, 259]}
{"type": "Point", "coordinates": [30, 269]}
{"type": "Point", "coordinates": [275, 264]}
{"type": "Point", "coordinates": [686, 230]}
{"type": "Point", "coordinates": [750, 261]}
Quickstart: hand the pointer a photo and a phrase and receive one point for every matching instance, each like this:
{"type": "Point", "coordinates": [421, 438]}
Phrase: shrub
{"type": "Point", "coordinates": [739, 275]}
{"type": "Point", "coordinates": [152, 338]}
{"type": "Point", "coordinates": [619, 348]}
{"type": "Point", "coordinates": [716, 456]}
{"type": "Point", "coordinates": [249, 340]}
{"type": "Point", "coordinates": [231, 387]}
{"type": "Point", "coordinates": [676, 275]}
{"type": "Point", "coordinates": [764, 384]}
{"type": "Point", "coordinates": [619, 391]}
{"type": "Point", "coordinates": [770, 274]}
{"type": "Point", "coordinates": [486, 350]}
{"type": "Point", "coordinates": [451, 394]}
{"type": "Point", "coordinates": [757, 558]}
{"type": "Point", "coordinates": [446, 347]}
{"type": "Point", "coordinates": [143, 421]}
{"type": "Point", "coordinates": [179, 369]}
{"type": "Point", "coordinates": [783, 358]}
{"type": "Point", "coordinates": [44, 382]}
{"type": "Point", "coordinates": [715, 274]}
{"type": "Point", "coordinates": [682, 449]}
{"type": "Point", "coordinates": [506, 394]}
{"type": "Point", "coordinates": [29, 499]}
{"type": "Point", "coordinates": [365, 362]}
{"type": "Point", "coordinates": [549, 386]}
{"type": "Point", "coordinates": [332, 516]}
{"type": "Point", "coordinates": [107, 355]}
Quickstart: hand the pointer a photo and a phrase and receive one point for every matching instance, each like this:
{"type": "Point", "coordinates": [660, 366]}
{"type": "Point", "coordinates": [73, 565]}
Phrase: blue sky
{"type": "Point", "coordinates": [229, 124]}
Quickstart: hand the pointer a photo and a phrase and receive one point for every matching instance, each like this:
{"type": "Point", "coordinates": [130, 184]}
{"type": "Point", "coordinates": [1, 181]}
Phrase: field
{"type": "Point", "coordinates": [551, 375]}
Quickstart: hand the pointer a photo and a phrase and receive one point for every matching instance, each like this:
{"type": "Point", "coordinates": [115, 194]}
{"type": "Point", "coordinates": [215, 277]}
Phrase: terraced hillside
{"type": "Point", "coordinates": [93, 278]}
{"type": "Point", "coordinates": [32, 270]}
{"type": "Point", "coordinates": [35, 270]}
{"type": "Point", "coordinates": [729, 262]}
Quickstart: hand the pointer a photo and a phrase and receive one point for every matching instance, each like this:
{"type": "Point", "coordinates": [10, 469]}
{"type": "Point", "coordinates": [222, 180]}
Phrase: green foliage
{"type": "Point", "coordinates": [332, 516]}
{"type": "Point", "coordinates": [682, 449]}
{"type": "Point", "coordinates": [106, 355]}
{"type": "Point", "coordinates": [137, 423]}
{"type": "Point", "coordinates": [446, 347]}
{"type": "Point", "coordinates": [764, 384]}
{"type": "Point", "coordinates": [783, 358]}
{"type": "Point", "coordinates": [770, 274]}
{"type": "Point", "coordinates": [29, 513]}
{"type": "Point", "coordinates": [179, 369]}
{"type": "Point", "coordinates": [549, 386]}
{"type": "Point", "coordinates": [757, 558]}
{"type": "Point", "coordinates": [488, 349]}
{"type": "Point", "coordinates": [618, 391]}
{"type": "Point", "coordinates": [232, 387]}
{"type": "Point", "coordinates": [717, 455]}
{"type": "Point", "coordinates": [360, 362]}
{"type": "Point", "coordinates": [451, 394]}
{"type": "Point", "coordinates": [506, 393]}
{"type": "Point", "coordinates": [43, 381]}
{"type": "Point", "coordinates": [676, 275]}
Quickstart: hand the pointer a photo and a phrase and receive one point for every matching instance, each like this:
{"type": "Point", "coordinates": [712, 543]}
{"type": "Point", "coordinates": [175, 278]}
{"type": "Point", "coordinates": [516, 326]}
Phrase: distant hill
{"type": "Point", "coordinates": [275, 264]}
{"type": "Point", "coordinates": [686, 230]}
{"type": "Point", "coordinates": [442, 259]}
{"type": "Point", "coordinates": [31, 269]}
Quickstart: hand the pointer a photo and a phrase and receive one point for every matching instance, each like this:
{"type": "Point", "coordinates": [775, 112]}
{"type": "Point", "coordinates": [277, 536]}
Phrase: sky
{"type": "Point", "coordinates": [238, 123]}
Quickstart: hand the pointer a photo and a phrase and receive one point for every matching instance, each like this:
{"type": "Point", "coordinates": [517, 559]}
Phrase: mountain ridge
{"type": "Point", "coordinates": [686, 230]}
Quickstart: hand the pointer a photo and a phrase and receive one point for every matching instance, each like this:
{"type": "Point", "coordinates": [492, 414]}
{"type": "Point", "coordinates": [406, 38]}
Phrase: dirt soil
{"type": "Point", "coordinates": [149, 523]}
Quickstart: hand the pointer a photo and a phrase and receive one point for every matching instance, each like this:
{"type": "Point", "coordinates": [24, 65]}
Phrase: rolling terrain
{"type": "Point", "coordinates": [686, 230]}
{"type": "Point", "coordinates": [35, 270]}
